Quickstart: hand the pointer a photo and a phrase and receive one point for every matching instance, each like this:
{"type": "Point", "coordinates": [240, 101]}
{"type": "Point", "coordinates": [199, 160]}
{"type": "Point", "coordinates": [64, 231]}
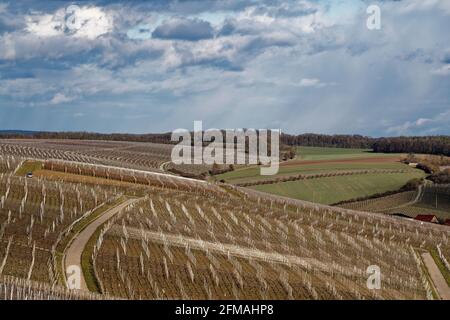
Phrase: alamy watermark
{"type": "Point", "coordinates": [72, 21]}
{"type": "Point", "coordinates": [374, 18]}
{"type": "Point", "coordinates": [73, 275]}
{"type": "Point", "coordinates": [229, 146]}
{"type": "Point", "coordinates": [374, 279]}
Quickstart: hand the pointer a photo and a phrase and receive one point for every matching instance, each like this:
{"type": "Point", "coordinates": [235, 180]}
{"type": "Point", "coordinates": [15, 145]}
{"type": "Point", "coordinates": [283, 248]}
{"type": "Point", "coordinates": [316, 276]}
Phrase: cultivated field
{"type": "Point", "coordinates": [35, 215]}
{"type": "Point", "coordinates": [316, 153]}
{"type": "Point", "coordinates": [12, 288]}
{"type": "Point", "coordinates": [332, 190]}
{"type": "Point", "coordinates": [252, 174]}
{"type": "Point", "coordinates": [135, 155]}
{"type": "Point", "coordinates": [329, 175]}
{"type": "Point", "coordinates": [432, 200]}
{"type": "Point", "coordinates": [185, 238]}
{"type": "Point", "coordinates": [145, 156]}
{"type": "Point", "coordinates": [247, 246]}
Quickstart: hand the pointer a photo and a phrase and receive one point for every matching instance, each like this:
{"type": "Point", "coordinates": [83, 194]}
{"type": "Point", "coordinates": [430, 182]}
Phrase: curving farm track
{"type": "Point", "coordinates": [72, 255]}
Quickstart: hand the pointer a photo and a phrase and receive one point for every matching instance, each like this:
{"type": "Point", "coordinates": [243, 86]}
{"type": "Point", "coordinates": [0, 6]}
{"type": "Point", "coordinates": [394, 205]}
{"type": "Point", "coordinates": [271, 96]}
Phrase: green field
{"type": "Point", "coordinates": [329, 190]}
{"type": "Point", "coordinates": [29, 166]}
{"type": "Point", "coordinates": [335, 189]}
{"type": "Point", "coordinates": [253, 173]}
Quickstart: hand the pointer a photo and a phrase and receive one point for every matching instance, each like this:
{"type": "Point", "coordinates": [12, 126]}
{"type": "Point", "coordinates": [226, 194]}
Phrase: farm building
{"type": "Point", "coordinates": [427, 218]}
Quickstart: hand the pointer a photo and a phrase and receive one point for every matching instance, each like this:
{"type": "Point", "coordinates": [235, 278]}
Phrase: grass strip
{"type": "Point", "coordinates": [444, 271]}
{"type": "Point", "coordinates": [87, 264]}
{"type": "Point", "coordinates": [29, 166]}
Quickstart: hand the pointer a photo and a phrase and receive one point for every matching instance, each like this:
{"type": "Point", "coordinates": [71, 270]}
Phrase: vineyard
{"type": "Point", "coordinates": [383, 203]}
{"type": "Point", "coordinates": [196, 171]}
{"type": "Point", "coordinates": [9, 164]}
{"type": "Point", "coordinates": [136, 177]}
{"type": "Point", "coordinates": [171, 246]}
{"type": "Point", "coordinates": [12, 288]}
{"type": "Point", "coordinates": [34, 216]}
{"type": "Point", "coordinates": [151, 157]}
{"type": "Point", "coordinates": [134, 155]}
{"type": "Point", "coordinates": [190, 239]}
{"type": "Point", "coordinates": [434, 200]}
{"type": "Point", "coordinates": [436, 197]}
{"type": "Point", "coordinates": [244, 159]}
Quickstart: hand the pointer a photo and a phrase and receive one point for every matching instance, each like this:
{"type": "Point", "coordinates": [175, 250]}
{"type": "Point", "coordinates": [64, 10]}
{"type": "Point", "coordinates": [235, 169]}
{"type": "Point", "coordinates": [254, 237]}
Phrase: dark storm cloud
{"type": "Point", "coordinates": [184, 29]}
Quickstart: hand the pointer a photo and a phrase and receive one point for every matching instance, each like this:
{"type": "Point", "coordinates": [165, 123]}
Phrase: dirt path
{"type": "Point", "coordinates": [72, 256]}
{"type": "Point", "coordinates": [439, 282]}
{"type": "Point", "coordinates": [416, 199]}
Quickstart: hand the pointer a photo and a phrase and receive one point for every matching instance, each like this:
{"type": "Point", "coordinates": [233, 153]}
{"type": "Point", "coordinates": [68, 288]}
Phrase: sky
{"type": "Point", "coordinates": [155, 66]}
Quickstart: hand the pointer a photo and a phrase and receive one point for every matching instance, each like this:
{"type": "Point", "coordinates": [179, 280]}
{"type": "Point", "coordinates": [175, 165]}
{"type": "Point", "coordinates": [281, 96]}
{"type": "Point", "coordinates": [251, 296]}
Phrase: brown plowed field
{"type": "Point", "coordinates": [356, 160]}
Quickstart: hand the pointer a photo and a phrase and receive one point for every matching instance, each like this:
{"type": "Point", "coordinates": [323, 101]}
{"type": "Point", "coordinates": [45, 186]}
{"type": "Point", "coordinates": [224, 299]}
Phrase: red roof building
{"type": "Point", "coordinates": [447, 222]}
{"type": "Point", "coordinates": [427, 218]}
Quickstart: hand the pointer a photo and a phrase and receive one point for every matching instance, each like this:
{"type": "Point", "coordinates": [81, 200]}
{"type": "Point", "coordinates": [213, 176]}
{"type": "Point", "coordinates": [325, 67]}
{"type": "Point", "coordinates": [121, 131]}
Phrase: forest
{"type": "Point", "coordinates": [439, 145]}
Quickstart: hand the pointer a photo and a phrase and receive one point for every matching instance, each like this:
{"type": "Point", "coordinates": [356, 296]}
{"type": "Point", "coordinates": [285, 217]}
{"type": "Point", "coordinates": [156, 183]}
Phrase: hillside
{"type": "Point", "coordinates": [189, 239]}
{"type": "Point", "coordinates": [434, 200]}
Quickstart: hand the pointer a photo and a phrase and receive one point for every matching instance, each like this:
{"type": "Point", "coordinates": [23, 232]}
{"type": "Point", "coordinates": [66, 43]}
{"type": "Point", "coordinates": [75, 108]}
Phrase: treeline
{"type": "Point", "coordinates": [442, 177]}
{"type": "Point", "coordinates": [148, 137]}
{"type": "Point", "coordinates": [429, 145]}
{"type": "Point", "coordinates": [439, 145]}
{"type": "Point", "coordinates": [331, 141]}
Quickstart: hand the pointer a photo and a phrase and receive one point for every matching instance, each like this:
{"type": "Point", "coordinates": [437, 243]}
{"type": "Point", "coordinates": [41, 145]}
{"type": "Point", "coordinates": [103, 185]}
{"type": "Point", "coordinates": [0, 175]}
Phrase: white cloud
{"type": "Point", "coordinates": [93, 22]}
{"type": "Point", "coordinates": [85, 22]}
{"type": "Point", "coordinates": [442, 71]}
{"type": "Point", "coordinates": [423, 121]}
{"type": "Point", "coordinates": [47, 25]}
{"type": "Point", "coordinates": [423, 125]}
{"type": "Point", "coordinates": [299, 17]}
{"type": "Point", "coordinates": [309, 82]}
{"type": "Point", "coordinates": [60, 98]}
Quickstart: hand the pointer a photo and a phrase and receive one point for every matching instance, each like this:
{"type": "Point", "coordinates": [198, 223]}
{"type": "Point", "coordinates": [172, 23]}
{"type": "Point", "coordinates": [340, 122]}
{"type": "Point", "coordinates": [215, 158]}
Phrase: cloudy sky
{"type": "Point", "coordinates": [300, 65]}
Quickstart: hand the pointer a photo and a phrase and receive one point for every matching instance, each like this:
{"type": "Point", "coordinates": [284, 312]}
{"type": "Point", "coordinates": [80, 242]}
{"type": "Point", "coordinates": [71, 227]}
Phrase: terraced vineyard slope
{"type": "Point", "coordinates": [431, 200]}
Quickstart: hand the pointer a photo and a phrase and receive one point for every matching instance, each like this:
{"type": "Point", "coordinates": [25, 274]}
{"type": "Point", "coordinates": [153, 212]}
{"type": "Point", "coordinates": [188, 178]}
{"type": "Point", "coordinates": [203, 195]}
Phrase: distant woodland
{"type": "Point", "coordinates": [439, 145]}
